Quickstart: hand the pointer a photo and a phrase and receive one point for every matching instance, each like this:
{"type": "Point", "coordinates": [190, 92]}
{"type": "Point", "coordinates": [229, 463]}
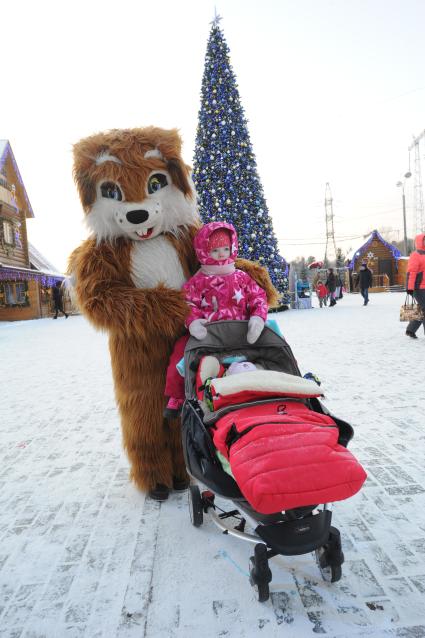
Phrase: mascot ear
{"type": "Point", "coordinates": [180, 175]}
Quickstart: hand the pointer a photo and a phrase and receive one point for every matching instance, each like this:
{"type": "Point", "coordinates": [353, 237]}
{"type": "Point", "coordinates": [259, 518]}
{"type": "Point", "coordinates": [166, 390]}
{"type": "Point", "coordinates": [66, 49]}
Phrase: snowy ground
{"type": "Point", "coordinates": [82, 553]}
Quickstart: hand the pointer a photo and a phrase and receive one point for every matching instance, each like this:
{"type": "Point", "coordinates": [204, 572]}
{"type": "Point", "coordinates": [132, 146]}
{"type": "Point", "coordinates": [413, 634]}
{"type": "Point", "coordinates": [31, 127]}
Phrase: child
{"type": "Point", "coordinates": [218, 291]}
{"type": "Point", "coordinates": [322, 293]}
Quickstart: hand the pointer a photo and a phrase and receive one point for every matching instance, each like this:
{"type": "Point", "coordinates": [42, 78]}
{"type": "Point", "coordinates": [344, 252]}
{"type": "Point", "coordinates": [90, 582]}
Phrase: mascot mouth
{"type": "Point", "coordinates": [145, 234]}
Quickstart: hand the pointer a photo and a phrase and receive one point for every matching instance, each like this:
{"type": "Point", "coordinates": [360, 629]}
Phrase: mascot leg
{"type": "Point", "coordinates": [153, 444]}
{"type": "Point", "coordinates": [146, 439]}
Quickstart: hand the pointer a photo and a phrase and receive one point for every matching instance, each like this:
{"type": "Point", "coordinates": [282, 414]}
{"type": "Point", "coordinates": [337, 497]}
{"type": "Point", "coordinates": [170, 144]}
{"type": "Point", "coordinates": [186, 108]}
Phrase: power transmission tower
{"type": "Point", "coordinates": [418, 193]}
{"type": "Point", "coordinates": [330, 250]}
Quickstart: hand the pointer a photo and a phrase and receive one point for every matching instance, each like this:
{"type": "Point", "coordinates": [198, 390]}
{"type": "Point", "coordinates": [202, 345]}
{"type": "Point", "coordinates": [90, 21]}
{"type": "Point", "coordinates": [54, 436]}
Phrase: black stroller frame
{"type": "Point", "coordinates": [289, 533]}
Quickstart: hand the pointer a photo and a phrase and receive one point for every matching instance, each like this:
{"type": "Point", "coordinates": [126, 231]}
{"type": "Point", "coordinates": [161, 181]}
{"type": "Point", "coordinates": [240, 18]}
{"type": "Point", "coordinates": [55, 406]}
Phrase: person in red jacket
{"type": "Point", "coordinates": [322, 293]}
{"type": "Point", "coordinates": [416, 281]}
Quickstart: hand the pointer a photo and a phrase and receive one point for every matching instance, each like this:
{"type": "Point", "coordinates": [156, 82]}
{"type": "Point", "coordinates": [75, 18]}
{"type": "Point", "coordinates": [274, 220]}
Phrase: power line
{"type": "Point", "coordinates": [313, 242]}
{"type": "Point", "coordinates": [386, 212]}
{"type": "Point", "coordinates": [341, 202]}
{"type": "Point", "coordinates": [310, 239]}
{"type": "Point", "coordinates": [316, 243]}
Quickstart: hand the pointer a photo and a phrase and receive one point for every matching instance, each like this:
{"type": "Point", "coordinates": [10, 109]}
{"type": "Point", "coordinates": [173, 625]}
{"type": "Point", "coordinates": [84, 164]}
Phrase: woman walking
{"type": "Point", "coordinates": [58, 300]}
{"type": "Point", "coordinates": [416, 281]}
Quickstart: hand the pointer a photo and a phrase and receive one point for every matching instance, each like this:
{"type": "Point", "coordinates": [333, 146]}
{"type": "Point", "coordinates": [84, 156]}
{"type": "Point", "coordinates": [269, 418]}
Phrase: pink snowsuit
{"type": "Point", "coordinates": [218, 291]}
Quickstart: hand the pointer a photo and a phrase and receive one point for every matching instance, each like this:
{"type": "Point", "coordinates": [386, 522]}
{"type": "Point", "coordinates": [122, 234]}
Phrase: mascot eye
{"type": "Point", "coordinates": [111, 191]}
{"type": "Point", "coordinates": [156, 182]}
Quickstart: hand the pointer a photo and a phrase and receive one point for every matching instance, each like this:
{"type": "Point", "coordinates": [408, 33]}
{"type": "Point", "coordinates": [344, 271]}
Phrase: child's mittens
{"type": "Point", "coordinates": [197, 329]}
{"type": "Point", "coordinates": [255, 328]}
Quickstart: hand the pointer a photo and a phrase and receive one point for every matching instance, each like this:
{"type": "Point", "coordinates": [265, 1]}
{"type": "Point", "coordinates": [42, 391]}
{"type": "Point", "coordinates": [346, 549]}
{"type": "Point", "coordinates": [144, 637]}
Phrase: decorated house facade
{"type": "Point", "coordinates": [26, 278]}
{"type": "Point", "coordinates": [384, 260]}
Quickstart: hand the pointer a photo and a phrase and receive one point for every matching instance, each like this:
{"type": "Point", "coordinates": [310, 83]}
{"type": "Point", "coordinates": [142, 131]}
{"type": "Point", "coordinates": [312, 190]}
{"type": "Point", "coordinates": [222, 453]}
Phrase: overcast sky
{"type": "Point", "coordinates": [333, 91]}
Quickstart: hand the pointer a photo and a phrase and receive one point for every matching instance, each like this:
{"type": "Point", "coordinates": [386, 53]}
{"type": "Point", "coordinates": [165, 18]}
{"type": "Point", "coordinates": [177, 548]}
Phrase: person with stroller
{"type": "Point", "coordinates": [217, 292]}
{"type": "Point", "coordinates": [416, 282]}
{"type": "Point", "coordinates": [322, 293]}
{"type": "Point", "coordinates": [58, 299]}
{"type": "Point", "coordinates": [331, 286]}
{"type": "Point", "coordinates": [365, 282]}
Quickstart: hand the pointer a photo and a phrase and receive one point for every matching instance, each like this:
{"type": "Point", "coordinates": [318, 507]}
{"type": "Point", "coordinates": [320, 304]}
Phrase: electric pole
{"type": "Point", "coordinates": [330, 250]}
{"type": "Point", "coordinates": [418, 193]}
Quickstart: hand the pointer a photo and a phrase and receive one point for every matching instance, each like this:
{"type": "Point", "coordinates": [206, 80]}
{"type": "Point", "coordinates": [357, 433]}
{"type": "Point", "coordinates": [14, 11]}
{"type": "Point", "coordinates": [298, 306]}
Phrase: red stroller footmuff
{"type": "Point", "coordinates": [284, 455]}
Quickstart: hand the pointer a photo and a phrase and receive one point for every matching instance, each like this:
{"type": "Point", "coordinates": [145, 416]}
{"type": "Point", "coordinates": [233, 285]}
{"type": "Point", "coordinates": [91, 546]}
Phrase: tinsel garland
{"type": "Point", "coordinates": [12, 274]}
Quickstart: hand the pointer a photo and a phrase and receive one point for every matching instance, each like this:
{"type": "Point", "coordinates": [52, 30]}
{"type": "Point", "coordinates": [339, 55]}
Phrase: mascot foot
{"type": "Point", "coordinates": [159, 493]}
{"type": "Point", "coordinates": [179, 485]}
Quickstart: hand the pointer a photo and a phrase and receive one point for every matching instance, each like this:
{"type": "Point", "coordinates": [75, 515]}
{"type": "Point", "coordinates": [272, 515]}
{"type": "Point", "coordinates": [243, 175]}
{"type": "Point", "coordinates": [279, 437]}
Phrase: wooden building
{"type": "Point", "coordinates": [384, 260]}
{"type": "Point", "coordinates": [26, 278]}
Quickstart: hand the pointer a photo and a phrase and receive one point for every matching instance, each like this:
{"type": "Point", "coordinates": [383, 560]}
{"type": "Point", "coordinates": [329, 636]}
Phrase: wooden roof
{"type": "Point", "coordinates": [40, 262]}
{"type": "Point", "coordinates": [5, 153]}
{"type": "Point", "coordinates": [353, 255]}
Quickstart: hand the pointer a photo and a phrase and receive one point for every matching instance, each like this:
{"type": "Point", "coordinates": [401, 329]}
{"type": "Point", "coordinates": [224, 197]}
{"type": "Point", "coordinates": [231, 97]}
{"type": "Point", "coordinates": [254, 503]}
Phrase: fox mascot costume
{"type": "Point", "coordinates": [140, 207]}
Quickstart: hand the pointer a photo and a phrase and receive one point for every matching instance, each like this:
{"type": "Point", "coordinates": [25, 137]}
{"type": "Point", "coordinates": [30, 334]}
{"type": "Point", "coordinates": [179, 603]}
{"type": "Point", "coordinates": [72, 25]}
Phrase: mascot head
{"type": "Point", "coordinates": [133, 183]}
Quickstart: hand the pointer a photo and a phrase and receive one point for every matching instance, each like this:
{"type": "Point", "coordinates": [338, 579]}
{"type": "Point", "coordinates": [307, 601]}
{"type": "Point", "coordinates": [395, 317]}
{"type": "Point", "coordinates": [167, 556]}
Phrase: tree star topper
{"type": "Point", "coordinates": [217, 18]}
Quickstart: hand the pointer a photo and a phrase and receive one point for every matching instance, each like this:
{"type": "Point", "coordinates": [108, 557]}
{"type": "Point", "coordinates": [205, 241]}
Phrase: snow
{"type": "Point", "coordinates": [83, 553]}
{"type": "Point", "coordinates": [39, 262]}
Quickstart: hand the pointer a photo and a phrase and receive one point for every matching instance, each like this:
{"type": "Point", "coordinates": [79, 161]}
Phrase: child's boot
{"type": "Point", "coordinates": [173, 408]}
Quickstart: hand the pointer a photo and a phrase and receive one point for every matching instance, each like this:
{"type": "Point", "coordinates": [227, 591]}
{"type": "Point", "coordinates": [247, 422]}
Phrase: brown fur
{"type": "Point", "coordinates": [262, 277]}
{"type": "Point", "coordinates": [143, 324]}
{"type": "Point", "coordinates": [129, 146]}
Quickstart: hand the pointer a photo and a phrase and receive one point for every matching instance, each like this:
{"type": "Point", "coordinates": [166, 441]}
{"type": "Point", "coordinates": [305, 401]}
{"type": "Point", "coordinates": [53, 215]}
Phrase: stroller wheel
{"type": "Point", "coordinates": [330, 573]}
{"type": "Point", "coordinates": [195, 506]}
{"type": "Point", "coordinates": [259, 572]}
{"type": "Point", "coordinates": [330, 557]}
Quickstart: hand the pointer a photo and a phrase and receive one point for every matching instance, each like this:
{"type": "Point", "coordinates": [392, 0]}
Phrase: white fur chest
{"type": "Point", "coordinates": [155, 261]}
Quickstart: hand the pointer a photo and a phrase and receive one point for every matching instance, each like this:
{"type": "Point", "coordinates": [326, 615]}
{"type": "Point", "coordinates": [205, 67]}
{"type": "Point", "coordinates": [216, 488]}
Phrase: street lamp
{"type": "Point", "coordinates": [406, 176]}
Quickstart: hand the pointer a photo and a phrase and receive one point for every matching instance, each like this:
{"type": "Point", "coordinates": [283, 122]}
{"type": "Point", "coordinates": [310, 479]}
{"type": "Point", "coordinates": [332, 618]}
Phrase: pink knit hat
{"type": "Point", "coordinates": [203, 247]}
{"type": "Point", "coordinates": [219, 238]}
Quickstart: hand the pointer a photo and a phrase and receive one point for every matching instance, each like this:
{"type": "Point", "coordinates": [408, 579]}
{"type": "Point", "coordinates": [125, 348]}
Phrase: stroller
{"type": "Point", "coordinates": [296, 531]}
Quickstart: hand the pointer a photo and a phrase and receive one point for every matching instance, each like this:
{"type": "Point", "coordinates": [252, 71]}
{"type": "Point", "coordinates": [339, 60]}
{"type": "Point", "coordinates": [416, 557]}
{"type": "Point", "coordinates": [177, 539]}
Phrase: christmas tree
{"type": "Point", "coordinates": [225, 170]}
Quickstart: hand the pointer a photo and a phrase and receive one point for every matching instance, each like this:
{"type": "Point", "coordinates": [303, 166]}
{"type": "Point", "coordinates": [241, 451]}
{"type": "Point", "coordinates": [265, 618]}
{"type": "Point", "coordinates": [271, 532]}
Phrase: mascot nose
{"type": "Point", "coordinates": [137, 216]}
